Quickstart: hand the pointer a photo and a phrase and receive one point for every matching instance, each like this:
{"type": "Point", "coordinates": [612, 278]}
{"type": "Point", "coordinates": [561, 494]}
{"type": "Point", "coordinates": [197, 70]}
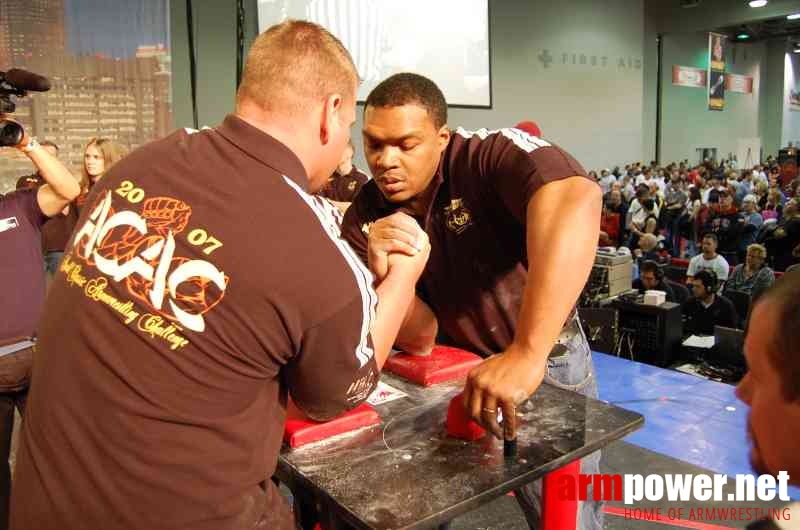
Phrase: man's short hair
{"type": "Point", "coordinates": [708, 278]}
{"type": "Point", "coordinates": [649, 266]}
{"type": "Point", "coordinates": [407, 89]}
{"type": "Point", "coordinates": [45, 143]}
{"type": "Point", "coordinates": [785, 347]}
{"type": "Point", "coordinates": [295, 64]}
{"type": "Point", "coordinates": [711, 235]}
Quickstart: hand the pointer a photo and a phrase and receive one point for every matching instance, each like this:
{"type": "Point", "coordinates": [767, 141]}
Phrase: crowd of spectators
{"type": "Point", "coordinates": [680, 204]}
{"type": "Point", "coordinates": [742, 225]}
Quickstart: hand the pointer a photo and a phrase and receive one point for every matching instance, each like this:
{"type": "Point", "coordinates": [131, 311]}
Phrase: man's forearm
{"type": "Point", "coordinates": [561, 250]}
{"type": "Point", "coordinates": [395, 296]}
{"type": "Point", "coordinates": [55, 174]}
{"type": "Point", "coordinates": [419, 329]}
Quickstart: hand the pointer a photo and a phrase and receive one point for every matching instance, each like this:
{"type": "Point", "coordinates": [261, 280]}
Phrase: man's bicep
{"type": "Point", "coordinates": [49, 201]}
{"type": "Point", "coordinates": [335, 369]}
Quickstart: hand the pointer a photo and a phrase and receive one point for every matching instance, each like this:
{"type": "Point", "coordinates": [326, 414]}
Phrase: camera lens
{"type": "Point", "coordinates": [11, 133]}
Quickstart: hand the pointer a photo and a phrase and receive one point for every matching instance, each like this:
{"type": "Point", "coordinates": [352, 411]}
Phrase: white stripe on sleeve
{"type": "Point", "coordinates": [330, 219]}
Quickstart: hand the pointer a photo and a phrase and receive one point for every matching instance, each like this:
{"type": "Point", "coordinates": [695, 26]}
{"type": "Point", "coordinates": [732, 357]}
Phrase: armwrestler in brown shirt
{"type": "Point", "coordinates": [203, 283]}
{"type": "Point", "coordinates": [513, 222]}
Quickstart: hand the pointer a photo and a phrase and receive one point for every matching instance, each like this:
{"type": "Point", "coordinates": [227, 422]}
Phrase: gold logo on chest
{"type": "Point", "coordinates": [352, 185]}
{"type": "Point", "coordinates": [458, 216]}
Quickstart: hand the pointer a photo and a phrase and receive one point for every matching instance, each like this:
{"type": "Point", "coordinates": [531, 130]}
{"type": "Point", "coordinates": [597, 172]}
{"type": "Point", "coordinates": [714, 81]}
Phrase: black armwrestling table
{"type": "Point", "coordinates": [408, 474]}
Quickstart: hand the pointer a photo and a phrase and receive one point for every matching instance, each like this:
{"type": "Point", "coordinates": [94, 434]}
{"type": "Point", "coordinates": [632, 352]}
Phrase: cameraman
{"type": "Point", "coordinates": [57, 230]}
{"type": "Point", "coordinates": [22, 282]}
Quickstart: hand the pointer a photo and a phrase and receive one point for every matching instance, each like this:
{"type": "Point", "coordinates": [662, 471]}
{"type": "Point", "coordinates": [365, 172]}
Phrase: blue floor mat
{"type": "Point", "coordinates": [686, 417]}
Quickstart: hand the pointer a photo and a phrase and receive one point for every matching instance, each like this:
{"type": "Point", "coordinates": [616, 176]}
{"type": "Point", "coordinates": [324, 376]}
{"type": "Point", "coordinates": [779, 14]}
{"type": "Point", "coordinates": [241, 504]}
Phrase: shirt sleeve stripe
{"type": "Point", "coordinates": [330, 219]}
{"type": "Point", "coordinates": [521, 139]}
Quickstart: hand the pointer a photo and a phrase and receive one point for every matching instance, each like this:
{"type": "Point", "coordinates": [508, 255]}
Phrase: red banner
{"type": "Point", "coordinates": [739, 83]}
{"type": "Point", "coordinates": [688, 76]}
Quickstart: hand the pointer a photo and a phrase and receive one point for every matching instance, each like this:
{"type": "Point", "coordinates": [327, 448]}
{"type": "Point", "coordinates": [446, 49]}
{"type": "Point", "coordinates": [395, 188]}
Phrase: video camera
{"type": "Point", "coordinates": [16, 82]}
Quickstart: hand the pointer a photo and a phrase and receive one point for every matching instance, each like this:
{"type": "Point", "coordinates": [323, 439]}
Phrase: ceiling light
{"type": "Point", "coordinates": [797, 50]}
{"type": "Point", "coordinates": [794, 16]}
{"type": "Point", "coordinates": [758, 3]}
{"type": "Point", "coordinates": [742, 36]}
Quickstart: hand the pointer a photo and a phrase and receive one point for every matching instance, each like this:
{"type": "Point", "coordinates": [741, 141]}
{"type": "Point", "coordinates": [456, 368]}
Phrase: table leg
{"type": "Point", "coordinates": [311, 513]}
{"type": "Point", "coordinates": [528, 505]}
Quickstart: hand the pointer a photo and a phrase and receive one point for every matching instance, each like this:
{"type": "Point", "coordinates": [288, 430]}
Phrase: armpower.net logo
{"type": "Point", "coordinates": [632, 489]}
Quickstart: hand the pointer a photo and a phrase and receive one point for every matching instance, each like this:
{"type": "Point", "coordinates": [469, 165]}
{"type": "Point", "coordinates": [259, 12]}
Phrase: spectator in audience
{"type": "Point", "coordinates": [22, 284]}
{"type": "Point", "coordinates": [98, 157]}
{"type": "Point", "coordinates": [651, 227]}
{"type": "Point", "coordinates": [772, 208]}
{"type": "Point", "coordinates": [751, 222]}
{"type": "Point", "coordinates": [692, 231]}
{"type": "Point", "coordinates": [781, 243]}
{"type": "Point", "coordinates": [57, 229]}
{"type": "Point", "coordinates": [628, 189]}
{"type": "Point", "coordinates": [651, 278]}
{"type": "Point", "coordinates": [606, 180]}
{"type": "Point", "coordinates": [771, 386]}
{"type": "Point", "coordinates": [745, 186]}
{"type": "Point", "coordinates": [760, 190]}
{"type": "Point", "coordinates": [657, 195]}
{"type": "Point", "coordinates": [642, 207]}
{"type": "Point", "coordinates": [675, 207]}
{"type": "Point", "coordinates": [706, 308]}
{"type": "Point", "coordinates": [345, 182]}
{"type": "Point", "coordinates": [611, 221]}
{"type": "Point", "coordinates": [759, 175]}
{"type": "Point", "coordinates": [647, 177]}
{"type": "Point", "coordinates": [753, 276]}
{"type": "Point", "coordinates": [724, 223]}
{"type": "Point", "coordinates": [713, 185]}
{"type": "Point", "coordinates": [774, 179]}
{"type": "Point", "coordinates": [648, 248]}
{"type": "Point", "coordinates": [708, 260]}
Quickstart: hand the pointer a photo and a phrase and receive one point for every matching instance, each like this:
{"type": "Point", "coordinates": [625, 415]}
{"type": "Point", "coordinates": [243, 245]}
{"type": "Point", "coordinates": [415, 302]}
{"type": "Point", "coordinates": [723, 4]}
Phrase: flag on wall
{"type": "Point", "coordinates": [688, 76]}
{"type": "Point", "coordinates": [742, 84]}
{"type": "Point", "coordinates": [716, 71]}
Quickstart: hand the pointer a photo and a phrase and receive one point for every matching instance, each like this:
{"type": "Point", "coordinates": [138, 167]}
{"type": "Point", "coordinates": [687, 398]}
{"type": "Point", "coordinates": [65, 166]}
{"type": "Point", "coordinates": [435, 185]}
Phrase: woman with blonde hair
{"type": "Point", "coordinates": [98, 157]}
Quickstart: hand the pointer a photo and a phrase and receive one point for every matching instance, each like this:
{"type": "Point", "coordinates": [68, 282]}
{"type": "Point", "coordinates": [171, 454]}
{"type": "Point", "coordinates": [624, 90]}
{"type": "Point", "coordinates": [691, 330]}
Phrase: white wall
{"type": "Point", "coordinates": [790, 131]}
{"type": "Point", "coordinates": [686, 121]}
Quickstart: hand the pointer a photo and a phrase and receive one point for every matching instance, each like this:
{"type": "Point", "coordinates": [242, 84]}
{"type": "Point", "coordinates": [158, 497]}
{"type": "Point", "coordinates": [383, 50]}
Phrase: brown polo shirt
{"type": "Point", "coordinates": [476, 274]}
{"type": "Point", "coordinates": [201, 283]}
{"type": "Point", "coordinates": [57, 229]}
{"type": "Point", "coordinates": [344, 188]}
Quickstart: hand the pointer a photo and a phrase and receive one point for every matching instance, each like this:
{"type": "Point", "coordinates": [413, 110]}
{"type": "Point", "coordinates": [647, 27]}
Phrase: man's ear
{"type": "Point", "coordinates": [329, 120]}
{"type": "Point", "coordinates": [443, 137]}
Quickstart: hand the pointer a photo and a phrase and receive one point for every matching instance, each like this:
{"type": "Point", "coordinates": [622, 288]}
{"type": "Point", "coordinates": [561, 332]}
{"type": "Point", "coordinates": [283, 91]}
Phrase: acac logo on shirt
{"type": "Point", "coordinates": [139, 249]}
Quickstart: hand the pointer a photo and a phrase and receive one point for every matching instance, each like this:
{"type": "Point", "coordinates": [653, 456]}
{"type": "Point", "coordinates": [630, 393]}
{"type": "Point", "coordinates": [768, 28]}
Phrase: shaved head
{"type": "Point", "coordinates": [295, 65]}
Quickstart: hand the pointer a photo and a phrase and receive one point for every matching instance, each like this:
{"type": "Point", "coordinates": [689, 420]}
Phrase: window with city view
{"type": "Point", "coordinates": [109, 65]}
